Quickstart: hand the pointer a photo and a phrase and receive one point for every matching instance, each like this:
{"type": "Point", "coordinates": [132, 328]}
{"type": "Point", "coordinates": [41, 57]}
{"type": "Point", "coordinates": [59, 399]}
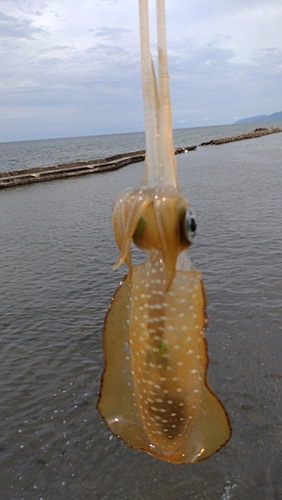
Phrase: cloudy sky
{"type": "Point", "coordinates": [71, 68]}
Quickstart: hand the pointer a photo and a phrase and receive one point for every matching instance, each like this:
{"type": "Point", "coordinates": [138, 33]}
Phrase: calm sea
{"type": "Point", "coordinates": [27, 154]}
{"type": "Point", "coordinates": [57, 250]}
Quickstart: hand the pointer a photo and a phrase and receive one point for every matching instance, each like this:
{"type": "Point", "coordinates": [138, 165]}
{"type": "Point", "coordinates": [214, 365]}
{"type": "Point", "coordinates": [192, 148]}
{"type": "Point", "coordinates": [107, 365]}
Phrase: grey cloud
{"type": "Point", "coordinates": [102, 49]}
{"type": "Point", "coordinates": [215, 86]}
{"type": "Point", "coordinates": [189, 63]}
{"type": "Point", "coordinates": [63, 47]}
{"type": "Point", "coordinates": [270, 56]}
{"type": "Point", "coordinates": [109, 33]}
{"type": "Point", "coordinates": [241, 5]}
{"type": "Point", "coordinates": [109, 1]}
{"type": "Point", "coordinates": [11, 27]}
{"type": "Point", "coordinates": [95, 86]}
{"type": "Point", "coordinates": [218, 39]}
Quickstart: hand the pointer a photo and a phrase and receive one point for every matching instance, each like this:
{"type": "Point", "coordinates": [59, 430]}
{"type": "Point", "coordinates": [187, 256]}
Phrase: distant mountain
{"type": "Point", "coordinates": [262, 118]}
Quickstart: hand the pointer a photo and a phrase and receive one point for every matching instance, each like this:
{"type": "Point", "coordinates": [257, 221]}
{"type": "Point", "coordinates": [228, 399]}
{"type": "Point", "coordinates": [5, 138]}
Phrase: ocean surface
{"type": "Point", "coordinates": [27, 154]}
{"type": "Point", "coordinates": [57, 250]}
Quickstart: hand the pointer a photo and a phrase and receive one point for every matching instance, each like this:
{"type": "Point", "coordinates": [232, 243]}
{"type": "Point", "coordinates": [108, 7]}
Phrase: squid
{"type": "Point", "coordinates": [154, 391]}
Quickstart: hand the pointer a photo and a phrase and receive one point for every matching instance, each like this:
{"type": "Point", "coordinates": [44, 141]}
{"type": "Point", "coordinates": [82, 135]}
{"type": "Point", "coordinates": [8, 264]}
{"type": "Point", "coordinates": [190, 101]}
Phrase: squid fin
{"type": "Point", "coordinates": [116, 400]}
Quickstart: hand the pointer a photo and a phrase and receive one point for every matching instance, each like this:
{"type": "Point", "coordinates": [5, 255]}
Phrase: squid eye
{"type": "Point", "coordinates": [190, 225]}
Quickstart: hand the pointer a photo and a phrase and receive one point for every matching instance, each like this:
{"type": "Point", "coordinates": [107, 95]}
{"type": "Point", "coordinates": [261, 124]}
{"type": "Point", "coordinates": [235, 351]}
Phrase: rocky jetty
{"type": "Point", "coordinates": [258, 132]}
{"type": "Point", "coordinates": [64, 170]}
{"type": "Point", "coordinates": [185, 150]}
{"type": "Point", "coordinates": [61, 171]}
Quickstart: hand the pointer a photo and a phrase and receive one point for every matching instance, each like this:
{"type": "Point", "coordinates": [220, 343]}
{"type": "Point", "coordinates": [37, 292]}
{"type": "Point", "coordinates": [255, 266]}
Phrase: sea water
{"type": "Point", "coordinates": [57, 250]}
{"type": "Point", "coordinates": [27, 154]}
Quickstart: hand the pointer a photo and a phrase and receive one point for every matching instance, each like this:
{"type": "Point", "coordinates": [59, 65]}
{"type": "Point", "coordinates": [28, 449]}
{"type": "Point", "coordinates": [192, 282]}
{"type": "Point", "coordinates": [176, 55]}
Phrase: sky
{"type": "Point", "coordinates": [72, 68]}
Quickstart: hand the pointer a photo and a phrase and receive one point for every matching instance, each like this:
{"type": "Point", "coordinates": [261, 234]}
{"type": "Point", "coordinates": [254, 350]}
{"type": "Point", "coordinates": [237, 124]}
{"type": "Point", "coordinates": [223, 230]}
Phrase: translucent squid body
{"type": "Point", "coordinates": [154, 390]}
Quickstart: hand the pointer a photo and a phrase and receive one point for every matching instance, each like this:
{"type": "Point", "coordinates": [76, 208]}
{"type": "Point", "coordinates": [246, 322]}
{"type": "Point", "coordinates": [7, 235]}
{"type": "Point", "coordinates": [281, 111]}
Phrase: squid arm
{"type": "Point", "coordinates": [154, 390]}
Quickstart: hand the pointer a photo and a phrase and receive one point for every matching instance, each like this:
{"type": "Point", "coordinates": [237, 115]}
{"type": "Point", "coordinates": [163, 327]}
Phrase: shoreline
{"type": "Point", "coordinates": [14, 178]}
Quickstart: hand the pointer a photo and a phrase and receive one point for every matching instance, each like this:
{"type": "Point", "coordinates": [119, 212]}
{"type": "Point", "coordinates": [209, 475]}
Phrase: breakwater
{"type": "Point", "coordinates": [19, 177]}
{"type": "Point", "coordinates": [73, 169]}
{"type": "Point", "coordinates": [258, 132]}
